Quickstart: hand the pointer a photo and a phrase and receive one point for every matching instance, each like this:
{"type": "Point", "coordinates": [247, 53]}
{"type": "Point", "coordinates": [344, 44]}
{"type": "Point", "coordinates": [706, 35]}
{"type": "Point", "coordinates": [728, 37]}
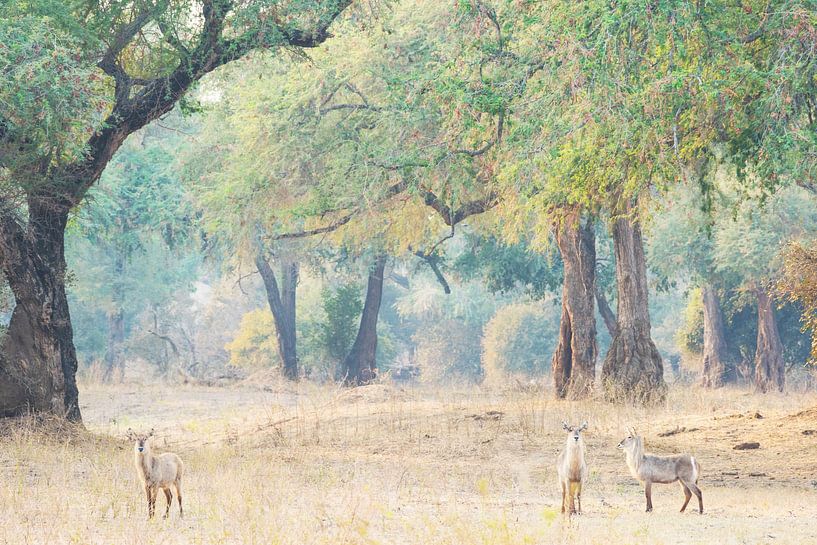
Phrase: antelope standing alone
{"type": "Point", "coordinates": [571, 466]}
{"type": "Point", "coordinates": [649, 468]}
{"type": "Point", "coordinates": [157, 471]}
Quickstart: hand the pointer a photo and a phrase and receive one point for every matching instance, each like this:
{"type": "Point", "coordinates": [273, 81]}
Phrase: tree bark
{"type": "Point", "coordinates": [116, 322]}
{"type": "Point", "coordinates": [360, 366]}
{"type": "Point", "coordinates": [714, 357]}
{"type": "Point", "coordinates": [632, 369]}
{"type": "Point", "coordinates": [574, 362]}
{"type": "Point", "coordinates": [39, 362]}
{"type": "Point", "coordinates": [282, 306]}
{"type": "Point", "coordinates": [770, 372]}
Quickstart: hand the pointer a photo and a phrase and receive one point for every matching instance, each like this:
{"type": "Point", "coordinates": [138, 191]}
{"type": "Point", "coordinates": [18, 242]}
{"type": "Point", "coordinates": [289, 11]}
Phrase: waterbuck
{"type": "Point", "coordinates": [157, 471]}
{"type": "Point", "coordinates": [649, 468]}
{"type": "Point", "coordinates": [571, 466]}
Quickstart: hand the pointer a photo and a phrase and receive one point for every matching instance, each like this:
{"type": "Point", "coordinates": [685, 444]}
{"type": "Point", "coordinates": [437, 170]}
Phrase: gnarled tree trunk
{"type": "Point", "coordinates": [632, 369]}
{"type": "Point", "coordinates": [574, 362]}
{"type": "Point", "coordinates": [282, 306]}
{"type": "Point", "coordinates": [39, 362]}
{"type": "Point", "coordinates": [360, 366]}
{"type": "Point", "coordinates": [770, 372]}
{"type": "Point", "coordinates": [714, 357]}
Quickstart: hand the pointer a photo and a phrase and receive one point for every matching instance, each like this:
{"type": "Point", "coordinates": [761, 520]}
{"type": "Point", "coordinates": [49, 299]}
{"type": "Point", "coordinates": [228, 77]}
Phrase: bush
{"type": "Point", "coordinates": [448, 350]}
{"type": "Point", "coordinates": [255, 345]}
{"type": "Point", "coordinates": [342, 308]}
{"type": "Point", "coordinates": [690, 335]}
{"type": "Point", "coordinates": [520, 340]}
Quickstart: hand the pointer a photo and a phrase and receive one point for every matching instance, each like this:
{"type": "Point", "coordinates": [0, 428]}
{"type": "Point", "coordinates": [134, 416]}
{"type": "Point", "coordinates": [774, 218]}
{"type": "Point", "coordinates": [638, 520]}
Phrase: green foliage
{"type": "Point", "coordinates": [468, 304]}
{"type": "Point", "coordinates": [255, 345]}
{"type": "Point", "coordinates": [519, 341]}
{"type": "Point", "coordinates": [749, 247]}
{"type": "Point", "coordinates": [680, 241]}
{"type": "Point", "coordinates": [342, 307]}
{"type": "Point", "coordinates": [50, 100]}
{"type": "Point", "coordinates": [132, 247]}
{"type": "Point", "coordinates": [507, 267]}
{"type": "Point", "coordinates": [396, 105]}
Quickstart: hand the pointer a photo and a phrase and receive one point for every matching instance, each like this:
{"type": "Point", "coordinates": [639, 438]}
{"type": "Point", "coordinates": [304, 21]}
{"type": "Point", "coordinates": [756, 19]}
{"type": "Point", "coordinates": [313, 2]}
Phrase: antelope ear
{"type": "Point", "coordinates": [584, 426]}
{"type": "Point", "coordinates": [565, 426]}
{"type": "Point", "coordinates": [152, 431]}
{"type": "Point", "coordinates": [129, 434]}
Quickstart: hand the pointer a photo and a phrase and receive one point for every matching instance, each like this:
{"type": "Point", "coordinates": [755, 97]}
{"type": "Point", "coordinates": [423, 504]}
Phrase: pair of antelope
{"type": "Point", "coordinates": [647, 468]}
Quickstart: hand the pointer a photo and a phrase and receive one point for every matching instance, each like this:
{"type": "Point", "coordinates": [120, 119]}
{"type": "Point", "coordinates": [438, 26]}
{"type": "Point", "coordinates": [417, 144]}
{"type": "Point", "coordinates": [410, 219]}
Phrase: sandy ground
{"type": "Point", "coordinates": [383, 464]}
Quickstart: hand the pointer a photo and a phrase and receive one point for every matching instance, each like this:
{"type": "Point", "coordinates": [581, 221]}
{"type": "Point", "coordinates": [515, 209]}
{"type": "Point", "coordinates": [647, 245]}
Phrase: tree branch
{"type": "Point", "coordinates": [159, 95]}
{"type": "Point", "coordinates": [761, 29]}
{"type": "Point", "coordinates": [452, 217]}
{"type": "Point", "coordinates": [110, 63]}
{"type": "Point", "coordinates": [433, 263]}
{"type": "Point", "coordinates": [488, 145]}
{"type": "Point", "coordinates": [334, 107]}
{"type": "Point", "coordinates": [606, 313]}
{"type": "Point", "coordinates": [319, 230]}
{"type": "Point", "coordinates": [167, 339]}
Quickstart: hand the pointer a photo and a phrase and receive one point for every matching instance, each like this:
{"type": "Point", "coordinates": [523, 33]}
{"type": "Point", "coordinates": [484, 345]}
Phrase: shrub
{"type": "Point", "coordinates": [690, 335]}
{"type": "Point", "coordinates": [254, 345]}
{"type": "Point", "coordinates": [448, 350]}
{"type": "Point", "coordinates": [520, 340]}
{"type": "Point", "coordinates": [342, 308]}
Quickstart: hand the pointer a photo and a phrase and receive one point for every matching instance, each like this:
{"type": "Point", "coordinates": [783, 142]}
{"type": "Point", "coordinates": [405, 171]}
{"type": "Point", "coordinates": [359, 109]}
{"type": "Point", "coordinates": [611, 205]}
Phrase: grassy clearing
{"type": "Point", "coordinates": [386, 465]}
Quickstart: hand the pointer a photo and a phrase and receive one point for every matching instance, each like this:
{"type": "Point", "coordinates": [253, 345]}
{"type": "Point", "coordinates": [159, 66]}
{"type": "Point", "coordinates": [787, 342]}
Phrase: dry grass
{"type": "Point", "coordinates": [384, 465]}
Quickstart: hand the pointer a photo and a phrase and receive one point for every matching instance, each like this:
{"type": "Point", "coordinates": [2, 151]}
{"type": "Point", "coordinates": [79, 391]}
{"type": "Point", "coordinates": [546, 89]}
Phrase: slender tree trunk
{"type": "Point", "coordinates": [770, 372]}
{"type": "Point", "coordinates": [632, 369]}
{"type": "Point", "coordinates": [714, 356]}
{"type": "Point", "coordinates": [282, 306]}
{"type": "Point", "coordinates": [360, 366]}
{"type": "Point", "coordinates": [116, 336]}
{"type": "Point", "coordinates": [39, 362]}
{"type": "Point", "coordinates": [574, 362]}
{"type": "Point", "coordinates": [289, 284]}
{"type": "Point", "coordinates": [606, 313]}
{"type": "Point", "coordinates": [116, 321]}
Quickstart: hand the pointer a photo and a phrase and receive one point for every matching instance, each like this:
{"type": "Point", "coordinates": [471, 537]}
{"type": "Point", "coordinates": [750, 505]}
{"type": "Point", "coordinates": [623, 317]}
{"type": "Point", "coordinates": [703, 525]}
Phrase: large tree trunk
{"type": "Point", "coordinates": [39, 362]}
{"type": "Point", "coordinates": [282, 306]}
{"type": "Point", "coordinates": [574, 362]}
{"type": "Point", "coordinates": [360, 366]}
{"type": "Point", "coordinates": [770, 373]}
{"type": "Point", "coordinates": [714, 357]}
{"type": "Point", "coordinates": [632, 369]}
{"type": "Point", "coordinates": [116, 321]}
